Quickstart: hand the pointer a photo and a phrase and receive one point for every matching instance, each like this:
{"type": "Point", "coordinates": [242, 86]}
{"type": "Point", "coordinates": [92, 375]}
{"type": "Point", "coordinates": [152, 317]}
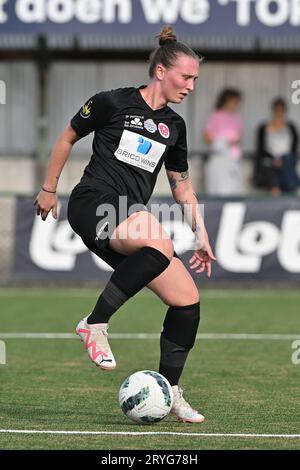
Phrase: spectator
{"type": "Point", "coordinates": [276, 156]}
{"type": "Point", "coordinates": [223, 132]}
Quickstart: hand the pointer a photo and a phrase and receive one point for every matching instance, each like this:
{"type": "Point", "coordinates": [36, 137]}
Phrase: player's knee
{"type": "Point", "coordinates": [192, 297]}
{"type": "Point", "coordinates": [186, 295]}
{"type": "Point", "coordinates": [165, 246]}
{"type": "Point", "coordinates": [168, 248]}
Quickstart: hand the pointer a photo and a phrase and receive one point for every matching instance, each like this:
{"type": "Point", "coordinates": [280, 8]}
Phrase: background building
{"type": "Point", "coordinates": [54, 55]}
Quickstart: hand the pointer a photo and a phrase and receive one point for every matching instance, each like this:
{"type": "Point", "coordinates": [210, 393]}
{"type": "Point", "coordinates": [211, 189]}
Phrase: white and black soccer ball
{"type": "Point", "coordinates": [146, 397]}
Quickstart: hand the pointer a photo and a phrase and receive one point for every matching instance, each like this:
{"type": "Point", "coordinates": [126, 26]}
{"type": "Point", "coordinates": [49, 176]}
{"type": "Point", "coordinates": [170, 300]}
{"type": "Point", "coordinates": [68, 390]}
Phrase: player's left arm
{"type": "Point", "coordinates": [184, 194]}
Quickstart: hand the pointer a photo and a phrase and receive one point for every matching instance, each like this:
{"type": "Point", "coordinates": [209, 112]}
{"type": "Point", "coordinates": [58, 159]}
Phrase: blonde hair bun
{"type": "Point", "coordinates": [166, 36]}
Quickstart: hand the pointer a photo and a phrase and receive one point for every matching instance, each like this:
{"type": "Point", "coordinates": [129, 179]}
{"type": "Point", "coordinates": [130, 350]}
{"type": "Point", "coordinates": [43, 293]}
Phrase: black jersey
{"type": "Point", "coordinates": [131, 142]}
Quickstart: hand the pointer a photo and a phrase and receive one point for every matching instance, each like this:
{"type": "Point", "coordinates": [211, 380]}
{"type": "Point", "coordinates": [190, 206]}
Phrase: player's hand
{"type": "Point", "coordinates": [203, 258]}
{"type": "Point", "coordinates": [44, 203]}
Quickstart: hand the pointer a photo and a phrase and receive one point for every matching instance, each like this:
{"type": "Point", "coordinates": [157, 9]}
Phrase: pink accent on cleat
{"type": "Point", "coordinates": [94, 338]}
{"type": "Point", "coordinates": [92, 345]}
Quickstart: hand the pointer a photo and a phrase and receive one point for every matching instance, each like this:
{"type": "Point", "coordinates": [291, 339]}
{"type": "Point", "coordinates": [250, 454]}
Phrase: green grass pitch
{"type": "Point", "coordinates": [240, 385]}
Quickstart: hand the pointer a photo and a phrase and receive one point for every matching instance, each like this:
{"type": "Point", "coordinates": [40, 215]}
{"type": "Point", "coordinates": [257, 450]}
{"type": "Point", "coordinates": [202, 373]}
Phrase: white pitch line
{"type": "Point", "coordinates": [150, 433]}
{"type": "Point", "coordinates": [206, 293]}
{"type": "Point", "coordinates": [209, 336]}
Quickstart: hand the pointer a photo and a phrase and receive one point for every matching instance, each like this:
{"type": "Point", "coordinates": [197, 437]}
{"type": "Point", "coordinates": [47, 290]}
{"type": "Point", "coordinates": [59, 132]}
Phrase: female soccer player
{"type": "Point", "coordinates": [135, 133]}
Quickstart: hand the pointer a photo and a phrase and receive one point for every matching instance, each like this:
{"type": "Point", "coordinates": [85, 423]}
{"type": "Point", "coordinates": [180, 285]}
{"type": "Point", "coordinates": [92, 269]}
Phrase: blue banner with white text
{"type": "Point", "coordinates": [192, 18]}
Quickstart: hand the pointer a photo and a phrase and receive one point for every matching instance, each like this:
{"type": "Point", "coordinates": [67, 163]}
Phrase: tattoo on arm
{"type": "Point", "coordinates": [182, 202]}
{"type": "Point", "coordinates": [194, 226]}
{"type": "Point", "coordinates": [174, 181]}
{"type": "Point", "coordinates": [182, 205]}
{"type": "Point", "coordinates": [183, 176]}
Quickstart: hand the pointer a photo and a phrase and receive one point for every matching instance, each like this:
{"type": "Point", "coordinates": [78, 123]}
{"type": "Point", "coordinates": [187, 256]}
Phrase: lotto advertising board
{"type": "Point", "coordinates": [253, 240]}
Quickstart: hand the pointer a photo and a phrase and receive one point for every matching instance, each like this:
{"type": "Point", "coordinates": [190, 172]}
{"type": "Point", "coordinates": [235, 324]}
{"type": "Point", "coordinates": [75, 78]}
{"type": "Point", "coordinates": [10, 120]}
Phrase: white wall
{"type": "Point", "coordinates": [72, 84]}
{"type": "Point", "coordinates": [18, 117]}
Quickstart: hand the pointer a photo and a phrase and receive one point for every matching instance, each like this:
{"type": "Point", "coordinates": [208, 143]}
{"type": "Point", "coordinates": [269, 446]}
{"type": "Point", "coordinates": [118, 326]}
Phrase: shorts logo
{"type": "Point", "coordinates": [100, 231]}
{"type": "Point", "coordinates": [150, 126]}
{"type": "Point", "coordinates": [164, 130]}
{"type": "Point", "coordinates": [144, 146]}
{"type": "Point", "coordinates": [86, 110]}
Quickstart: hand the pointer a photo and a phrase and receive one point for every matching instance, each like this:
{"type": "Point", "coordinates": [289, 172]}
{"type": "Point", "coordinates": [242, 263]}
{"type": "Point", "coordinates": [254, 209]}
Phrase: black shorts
{"type": "Point", "coordinates": [95, 230]}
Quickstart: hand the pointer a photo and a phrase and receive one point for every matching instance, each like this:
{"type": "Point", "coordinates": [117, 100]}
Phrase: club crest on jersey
{"type": "Point", "coordinates": [86, 109]}
{"type": "Point", "coordinates": [150, 126]}
{"type": "Point", "coordinates": [164, 130]}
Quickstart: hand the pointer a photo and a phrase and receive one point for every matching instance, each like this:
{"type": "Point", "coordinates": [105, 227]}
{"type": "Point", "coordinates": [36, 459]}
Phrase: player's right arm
{"type": "Point", "coordinates": [92, 116]}
{"type": "Point", "coordinates": [47, 201]}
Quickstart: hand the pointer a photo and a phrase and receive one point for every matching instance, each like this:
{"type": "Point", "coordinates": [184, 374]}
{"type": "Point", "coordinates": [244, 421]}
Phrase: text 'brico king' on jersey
{"type": "Point", "coordinates": [139, 151]}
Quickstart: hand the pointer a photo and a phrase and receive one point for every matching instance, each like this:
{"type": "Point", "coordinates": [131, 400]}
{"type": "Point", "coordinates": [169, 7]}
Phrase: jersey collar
{"type": "Point", "coordinates": [144, 103]}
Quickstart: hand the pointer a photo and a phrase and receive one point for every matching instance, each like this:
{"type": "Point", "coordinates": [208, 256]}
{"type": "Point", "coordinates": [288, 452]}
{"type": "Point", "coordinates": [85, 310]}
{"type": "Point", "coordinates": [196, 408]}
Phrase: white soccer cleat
{"type": "Point", "coordinates": [183, 410]}
{"type": "Point", "coordinates": [95, 339]}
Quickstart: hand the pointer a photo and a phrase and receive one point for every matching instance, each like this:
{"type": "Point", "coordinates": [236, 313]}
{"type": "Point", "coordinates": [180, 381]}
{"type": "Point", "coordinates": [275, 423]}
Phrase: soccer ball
{"type": "Point", "coordinates": [146, 397]}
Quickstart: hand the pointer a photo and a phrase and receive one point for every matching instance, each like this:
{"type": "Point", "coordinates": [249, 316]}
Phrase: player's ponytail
{"type": "Point", "coordinates": [166, 36]}
{"type": "Point", "coordinates": [168, 50]}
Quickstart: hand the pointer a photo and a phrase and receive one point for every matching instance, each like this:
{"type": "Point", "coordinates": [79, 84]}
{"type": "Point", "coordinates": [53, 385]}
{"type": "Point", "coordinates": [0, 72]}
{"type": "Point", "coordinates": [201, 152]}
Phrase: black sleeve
{"type": "Point", "coordinates": [93, 115]}
{"type": "Point", "coordinates": [176, 158]}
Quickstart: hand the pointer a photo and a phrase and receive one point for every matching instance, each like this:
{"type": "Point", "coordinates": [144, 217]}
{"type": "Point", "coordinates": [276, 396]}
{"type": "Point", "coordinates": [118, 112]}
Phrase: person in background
{"type": "Point", "coordinates": [276, 155]}
{"type": "Point", "coordinates": [223, 132]}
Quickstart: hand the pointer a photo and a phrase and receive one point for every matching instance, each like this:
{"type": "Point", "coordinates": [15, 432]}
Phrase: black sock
{"type": "Point", "coordinates": [172, 374]}
{"type": "Point", "coordinates": [172, 360]}
{"type": "Point", "coordinates": [177, 339]}
{"type": "Point", "coordinates": [134, 273]}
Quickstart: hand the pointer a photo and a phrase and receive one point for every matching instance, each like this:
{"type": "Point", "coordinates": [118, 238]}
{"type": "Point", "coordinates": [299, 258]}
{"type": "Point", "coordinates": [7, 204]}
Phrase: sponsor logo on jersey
{"type": "Point", "coordinates": [144, 145]}
{"type": "Point", "coordinates": [134, 121]}
{"type": "Point", "coordinates": [86, 109]}
{"type": "Point", "coordinates": [150, 126]}
{"type": "Point", "coordinates": [164, 130]}
{"type": "Point", "coordinates": [139, 151]}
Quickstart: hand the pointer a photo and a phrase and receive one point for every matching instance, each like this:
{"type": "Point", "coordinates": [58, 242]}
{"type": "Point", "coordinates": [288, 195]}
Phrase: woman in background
{"type": "Point", "coordinates": [223, 133]}
{"type": "Point", "coordinates": [276, 156]}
